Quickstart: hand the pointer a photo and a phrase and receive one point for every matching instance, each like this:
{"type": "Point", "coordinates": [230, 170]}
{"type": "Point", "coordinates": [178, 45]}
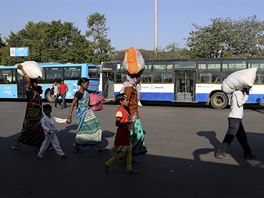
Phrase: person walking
{"type": "Point", "coordinates": [235, 126]}
{"type": "Point", "coordinates": [122, 139]}
{"type": "Point", "coordinates": [136, 131]}
{"type": "Point", "coordinates": [56, 93]}
{"type": "Point", "coordinates": [32, 132]}
{"type": "Point", "coordinates": [89, 131]}
{"type": "Point", "coordinates": [139, 89]}
{"type": "Point", "coordinates": [63, 88]}
{"type": "Point", "coordinates": [48, 124]}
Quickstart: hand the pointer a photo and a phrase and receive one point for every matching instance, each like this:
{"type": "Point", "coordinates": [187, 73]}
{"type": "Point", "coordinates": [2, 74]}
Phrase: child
{"type": "Point", "coordinates": [122, 138]}
{"type": "Point", "coordinates": [48, 124]}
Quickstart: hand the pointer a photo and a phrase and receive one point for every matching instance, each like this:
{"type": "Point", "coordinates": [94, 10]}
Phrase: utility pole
{"type": "Point", "coordinates": [156, 26]}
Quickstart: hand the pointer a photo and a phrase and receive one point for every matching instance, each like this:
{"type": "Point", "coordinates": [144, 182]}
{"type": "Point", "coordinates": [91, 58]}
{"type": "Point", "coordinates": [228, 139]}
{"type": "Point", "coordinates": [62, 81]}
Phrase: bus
{"type": "Point", "coordinates": [184, 80]}
{"type": "Point", "coordinates": [13, 85]}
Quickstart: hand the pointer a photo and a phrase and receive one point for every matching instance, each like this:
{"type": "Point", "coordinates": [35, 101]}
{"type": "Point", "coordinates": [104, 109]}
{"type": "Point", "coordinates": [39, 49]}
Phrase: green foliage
{"type": "Point", "coordinates": [2, 43]}
{"type": "Point", "coordinates": [62, 42]}
{"type": "Point", "coordinates": [226, 37]}
{"type": "Point", "coordinates": [97, 32]}
{"type": "Point", "coordinates": [169, 52]}
{"type": "Point", "coordinates": [49, 42]}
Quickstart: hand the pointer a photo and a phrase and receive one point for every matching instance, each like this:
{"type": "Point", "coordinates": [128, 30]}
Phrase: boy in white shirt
{"type": "Point", "coordinates": [48, 124]}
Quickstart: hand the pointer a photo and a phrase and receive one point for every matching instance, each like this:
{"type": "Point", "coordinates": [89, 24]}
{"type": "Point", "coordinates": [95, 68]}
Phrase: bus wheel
{"type": "Point", "coordinates": [218, 100]}
{"type": "Point", "coordinates": [50, 97]}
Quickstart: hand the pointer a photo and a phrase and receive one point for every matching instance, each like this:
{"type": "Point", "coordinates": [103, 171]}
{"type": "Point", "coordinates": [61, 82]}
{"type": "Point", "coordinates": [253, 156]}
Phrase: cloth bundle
{"type": "Point", "coordinates": [238, 80]}
{"type": "Point", "coordinates": [32, 68]}
{"type": "Point", "coordinates": [133, 62]}
{"type": "Point", "coordinates": [96, 102]}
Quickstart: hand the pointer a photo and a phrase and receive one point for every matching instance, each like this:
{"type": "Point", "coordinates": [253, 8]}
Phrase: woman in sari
{"type": "Point", "coordinates": [89, 132]}
{"type": "Point", "coordinates": [136, 131]}
{"type": "Point", "coordinates": [32, 132]}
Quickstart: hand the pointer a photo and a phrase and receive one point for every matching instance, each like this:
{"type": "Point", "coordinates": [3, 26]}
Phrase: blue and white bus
{"type": "Point", "coordinates": [13, 85]}
{"type": "Point", "coordinates": [184, 80]}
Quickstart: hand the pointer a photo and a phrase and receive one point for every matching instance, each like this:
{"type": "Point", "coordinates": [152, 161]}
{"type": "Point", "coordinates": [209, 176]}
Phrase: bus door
{"type": "Point", "coordinates": [184, 85]}
{"type": "Point", "coordinates": [108, 85]}
{"type": "Point", "coordinates": [21, 86]}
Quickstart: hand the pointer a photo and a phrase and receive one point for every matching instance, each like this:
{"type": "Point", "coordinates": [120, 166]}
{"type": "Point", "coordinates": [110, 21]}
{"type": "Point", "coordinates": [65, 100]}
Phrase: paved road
{"type": "Point", "coordinates": [180, 162]}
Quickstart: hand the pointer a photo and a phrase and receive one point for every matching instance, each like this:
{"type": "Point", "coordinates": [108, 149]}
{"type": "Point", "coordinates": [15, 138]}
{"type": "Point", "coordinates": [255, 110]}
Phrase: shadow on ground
{"type": "Point", "coordinates": [82, 174]}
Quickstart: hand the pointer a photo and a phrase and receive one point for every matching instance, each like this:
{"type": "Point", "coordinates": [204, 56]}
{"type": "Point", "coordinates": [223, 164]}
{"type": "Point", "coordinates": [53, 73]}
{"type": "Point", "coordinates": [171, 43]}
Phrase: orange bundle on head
{"type": "Point", "coordinates": [133, 62]}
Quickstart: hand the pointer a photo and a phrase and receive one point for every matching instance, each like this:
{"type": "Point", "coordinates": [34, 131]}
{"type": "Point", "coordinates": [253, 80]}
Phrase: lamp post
{"type": "Point", "coordinates": [156, 26]}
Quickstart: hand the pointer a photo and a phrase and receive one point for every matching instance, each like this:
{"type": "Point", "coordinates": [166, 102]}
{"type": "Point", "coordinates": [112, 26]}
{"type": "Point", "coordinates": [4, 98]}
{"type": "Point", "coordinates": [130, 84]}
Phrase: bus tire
{"type": "Point", "coordinates": [218, 100]}
{"type": "Point", "coordinates": [50, 97]}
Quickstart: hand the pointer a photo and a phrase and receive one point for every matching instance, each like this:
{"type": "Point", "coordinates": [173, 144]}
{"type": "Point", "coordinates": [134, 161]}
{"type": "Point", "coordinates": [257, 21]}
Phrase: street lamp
{"type": "Point", "coordinates": [156, 26]}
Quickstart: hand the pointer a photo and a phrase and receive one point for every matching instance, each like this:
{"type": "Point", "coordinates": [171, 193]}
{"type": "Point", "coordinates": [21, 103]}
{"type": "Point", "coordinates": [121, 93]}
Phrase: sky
{"type": "Point", "coordinates": [130, 22]}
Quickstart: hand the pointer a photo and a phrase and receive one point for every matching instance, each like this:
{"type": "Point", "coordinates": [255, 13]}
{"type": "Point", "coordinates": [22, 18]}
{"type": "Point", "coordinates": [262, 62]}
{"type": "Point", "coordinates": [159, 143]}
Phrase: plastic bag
{"type": "Point", "coordinates": [133, 62]}
{"type": "Point", "coordinates": [238, 80]}
{"type": "Point", "coordinates": [32, 68]}
{"type": "Point", "coordinates": [96, 102]}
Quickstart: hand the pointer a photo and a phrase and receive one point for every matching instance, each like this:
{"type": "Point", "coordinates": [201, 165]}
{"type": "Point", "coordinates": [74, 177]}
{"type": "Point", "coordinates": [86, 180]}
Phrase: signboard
{"type": "Point", "coordinates": [20, 51]}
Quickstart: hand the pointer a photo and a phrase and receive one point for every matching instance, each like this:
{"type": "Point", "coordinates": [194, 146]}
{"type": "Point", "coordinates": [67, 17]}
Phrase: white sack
{"type": "Point", "coordinates": [32, 68]}
{"type": "Point", "coordinates": [238, 80]}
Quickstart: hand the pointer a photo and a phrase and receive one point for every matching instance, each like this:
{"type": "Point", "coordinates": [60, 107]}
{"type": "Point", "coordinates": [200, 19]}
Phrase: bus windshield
{"type": "Point", "coordinates": [94, 72]}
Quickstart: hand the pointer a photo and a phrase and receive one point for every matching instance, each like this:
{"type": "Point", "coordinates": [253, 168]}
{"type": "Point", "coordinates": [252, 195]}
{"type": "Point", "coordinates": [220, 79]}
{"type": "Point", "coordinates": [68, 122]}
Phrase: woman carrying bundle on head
{"type": "Point", "coordinates": [134, 65]}
{"type": "Point", "coordinates": [136, 131]}
{"type": "Point", "coordinates": [32, 131]}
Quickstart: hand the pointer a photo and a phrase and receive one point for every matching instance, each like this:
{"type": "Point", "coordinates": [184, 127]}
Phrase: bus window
{"type": "Point", "coordinates": [167, 77]}
{"type": "Point", "coordinates": [119, 67]}
{"type": "Point", "coordinates": [256, 64]}
{"type": "Point", "coordinates": [259, 78]}
{"type": "Point", "coordinates": [147, 68]}
{"type": "Point", "coordinates": [201, 66]}
{"type": "Point", "coordinates": [157, 77]}
{"type": "Point", "coordinates": [162, 73]}
{"type": "Point", "coordinates": [53, 74]}
{"type": "Point", "coordinates": [146, 77]}
{"type": "Point", "coordinates": [7, 76]}
{"type": "Point", "coordinates": [230, 66]}
{"type": "Point", "coordinates": [209, 65]}
{"type": "Point", "coordinates": [72, 73]}
{"type": "Point", "coordinates": [93, 72]}
{"type": "Point", "coordinates": [158, 68]}
{"type": "Point", "coordinates": [209, 77]}
{"type": "Point", "coordinates": [120, 77]}
{"type": "Point", "coordinates": [205, 77]}
{"type": "Point", "coordinates": [214, 67]}
{"type": "Point", "coordinates": [185, 65]}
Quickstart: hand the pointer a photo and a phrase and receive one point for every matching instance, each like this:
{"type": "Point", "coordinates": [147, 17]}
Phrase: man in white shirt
{"type": "Point", "coordinates": [48, 124]}
{"type": "Point", "coordinates": [56, 93]}
{"type": "Point", "coordinates": [235, 126]}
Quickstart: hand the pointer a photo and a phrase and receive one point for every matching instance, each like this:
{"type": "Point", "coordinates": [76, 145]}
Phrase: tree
{"type": "Point", "coordinates": [172, 50]}
{"type": "Point", "coordinates": [2, 43]}
{"type": "Point", "coordinates": [49, 42]}
{"type": "Point", "coordinates": [100, 44]}
{"type": "Point", "coordinates": [226, 37]}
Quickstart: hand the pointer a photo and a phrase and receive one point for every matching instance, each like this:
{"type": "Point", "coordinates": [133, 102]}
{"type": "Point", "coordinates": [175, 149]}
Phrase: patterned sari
{"type": "Point", "coordinates": [89, 132]}
{"type": "Point", "coordinates": [136, 132]}
{"type": "Point", "coordinates": [138, 139]}
{"type": "Point", "coordinates": [32, 131]}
